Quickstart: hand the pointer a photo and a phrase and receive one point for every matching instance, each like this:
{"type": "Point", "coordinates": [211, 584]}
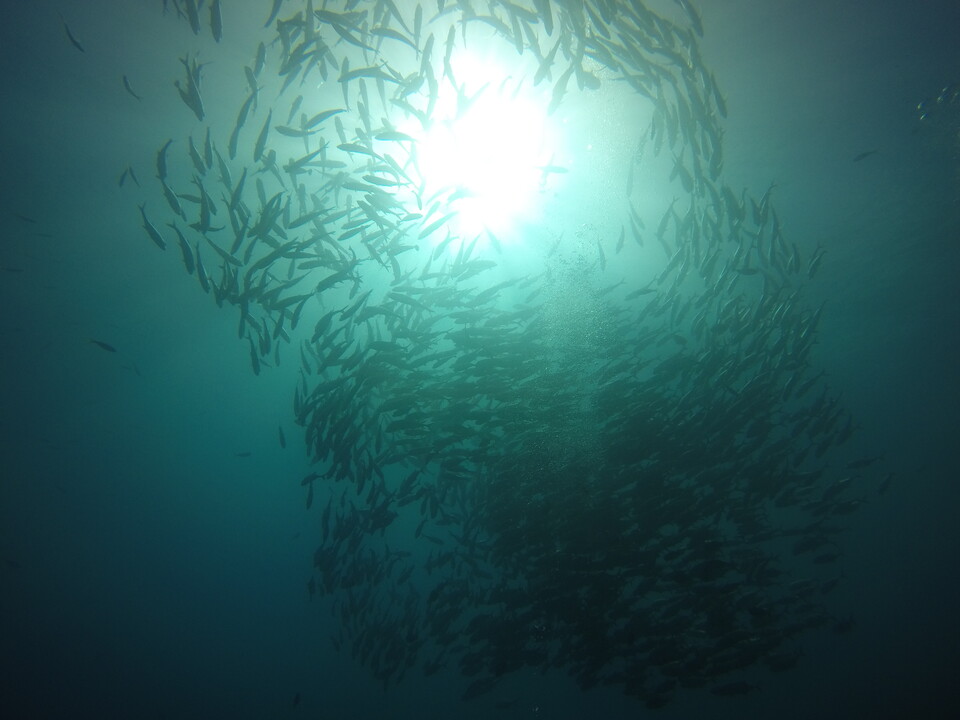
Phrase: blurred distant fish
{"type": "Point", "coordinates": [70, 35]}
{"type": "Point", "coordinates": [126, 85]}
{"type": "Point", "coordinates": [885, 484]}
{"type": "Point", "coordinates": [128, 172]}
{"type": "Point", "coordinates": [104, 346]}
{"type": "Point", "coordinates": [862, 463]}
{"type": "Point", "coordinates": [863, 155]}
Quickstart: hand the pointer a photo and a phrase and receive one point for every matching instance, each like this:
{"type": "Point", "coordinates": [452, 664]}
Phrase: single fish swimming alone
{"type": "Point", "coordinates": [126, 85]}
{"type": "Point", "coordinates": [73, 40]}
{"type": "Point", "coordinates": [104, 346]}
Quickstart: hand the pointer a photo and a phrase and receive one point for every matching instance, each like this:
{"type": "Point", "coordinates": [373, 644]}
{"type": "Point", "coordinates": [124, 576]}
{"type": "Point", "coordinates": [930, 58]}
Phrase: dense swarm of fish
{"type": "Point", "coordinates": [544, 471]}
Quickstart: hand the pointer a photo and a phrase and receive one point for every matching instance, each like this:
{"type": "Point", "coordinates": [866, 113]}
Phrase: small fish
{"type": "Point", "coordinates": [104, 346]}
{"type": "Point", "coordinates": [201, 272]}
{"type": "Point", "coordinates": [862, 463]}
{"type": "Point", "coordinates": [863, 155]}
{"type": "Point", "coordinates": [185, 250]}
{"type": "Point", "coordinates": [70, 35]}
{"type": "Point", "coordinates": [293, 132]}
{"type": "Point", "coordinates": [151, 230]}
{"type": "Point", "coordinates": [193, 15]}
{"type": "Point", "coordinates": [283, 440]}
{"type": "Point", "coordinates": [162, 160]}
{"type": "Point", "coordinates": [262, 138]}
{"type": "Point", "coordinates": [885, 484]}
{"type": "Point", "coordinates": [320, 117]}
{"type": "Point", "coordinates": [273, 13]}
{"type": "Point", "coordinates": [216, 21]}
{"type": "Point", "coordinates": [260, 59]}
{"type": "Point", "coordinates": [251, 79]}
{"type": "Point", "coordinates": [126, 84]}
{"type": "Point", "coordinates": [393, 136]}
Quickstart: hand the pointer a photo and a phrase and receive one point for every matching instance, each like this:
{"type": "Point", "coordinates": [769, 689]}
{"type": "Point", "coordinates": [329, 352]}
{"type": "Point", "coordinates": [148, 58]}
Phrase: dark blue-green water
{"type": "Point", "coordinates": [154, 545]}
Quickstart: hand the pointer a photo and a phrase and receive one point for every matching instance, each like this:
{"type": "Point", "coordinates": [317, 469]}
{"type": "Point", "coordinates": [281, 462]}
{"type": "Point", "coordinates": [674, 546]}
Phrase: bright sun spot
{"type": "Point", "coordinates": [491, 146]}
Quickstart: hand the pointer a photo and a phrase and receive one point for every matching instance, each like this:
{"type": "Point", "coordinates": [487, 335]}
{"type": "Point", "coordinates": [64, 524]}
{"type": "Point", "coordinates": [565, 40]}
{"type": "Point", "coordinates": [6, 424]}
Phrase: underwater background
{"type": "Point", "coordinates": [156, 549]}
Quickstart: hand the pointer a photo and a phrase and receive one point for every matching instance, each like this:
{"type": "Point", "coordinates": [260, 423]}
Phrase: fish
{"type": "Point", "coordinates": [238, 126]}
{"type": "Point", "coordinates": [133, 176]}
{"type": "Point", "coordinates": [70, 36]}
{"type": "Point", "coordinates": [172, 200]}
{"type": "Point", "coordinates": [546, 63]}
{"type": "Point", "coordinates": [866, 154]}
{"type": "Point", "coordinates": [321, 117]}
{"type": "Point", "coordinates": [393, 136]}
{"type": "Point", "coordinates": [193, 15]}
{"type": "Point", "coordinates": [544, 14]}
{"type": "Point", "coordinates": [294, 107]}
{"type": "Point", "coordinates": [436, 224]}
{"type": "Point", "coordinates": [262, 138]}
{"type": "Point", "coordinates": [294, 132]}
{"type": "Point", "coordinates": [560, 89]}
{"type": "Point", "coordinates": [815, 262]}
{"type": "Point", "coordinates": [152, 232]}
{"type": "Point", "coordinates": [207, 150]}
{"type": "Point", "coordinates": [274, 11]}
{"type": "Point", "coordinates": [126, 85]}
{"type": "Point", "coordinates": [185, 249]}
{"type": "Point", "coordinates": [162, 160]}
{"type": "Point", "coordinates": [201, 271]}
{"type": "Point", "coordinates": [261, 56]}
{"type": "Point", "coordinates": [216, 21]}
{"type": "Point", "coordinates": [500, 412]}
{"type": "Point", "coordinates": [190, 92]}
{"type": "Point", "coordinates": [861, 463]}
{"type": "Point", "coordinates": [104, 346]}
{"type": "Point", "coordinates": [417, 24]}
{"type": "Point", "coordinates": [391, 33]}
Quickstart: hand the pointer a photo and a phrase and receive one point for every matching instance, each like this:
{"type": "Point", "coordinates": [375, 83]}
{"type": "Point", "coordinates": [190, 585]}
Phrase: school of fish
{"type": "Point", "coordinates": [545, 470]}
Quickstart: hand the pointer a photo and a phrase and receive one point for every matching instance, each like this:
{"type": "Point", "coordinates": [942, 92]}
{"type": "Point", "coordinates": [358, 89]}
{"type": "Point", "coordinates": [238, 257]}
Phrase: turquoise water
{"type": "Point", "coordinates": [620, 390]}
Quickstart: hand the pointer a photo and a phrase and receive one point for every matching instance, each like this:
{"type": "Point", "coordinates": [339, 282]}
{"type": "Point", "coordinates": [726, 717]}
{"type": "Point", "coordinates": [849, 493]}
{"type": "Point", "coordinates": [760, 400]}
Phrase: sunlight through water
{"type": "Point", "coordinates": [489, 150]}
